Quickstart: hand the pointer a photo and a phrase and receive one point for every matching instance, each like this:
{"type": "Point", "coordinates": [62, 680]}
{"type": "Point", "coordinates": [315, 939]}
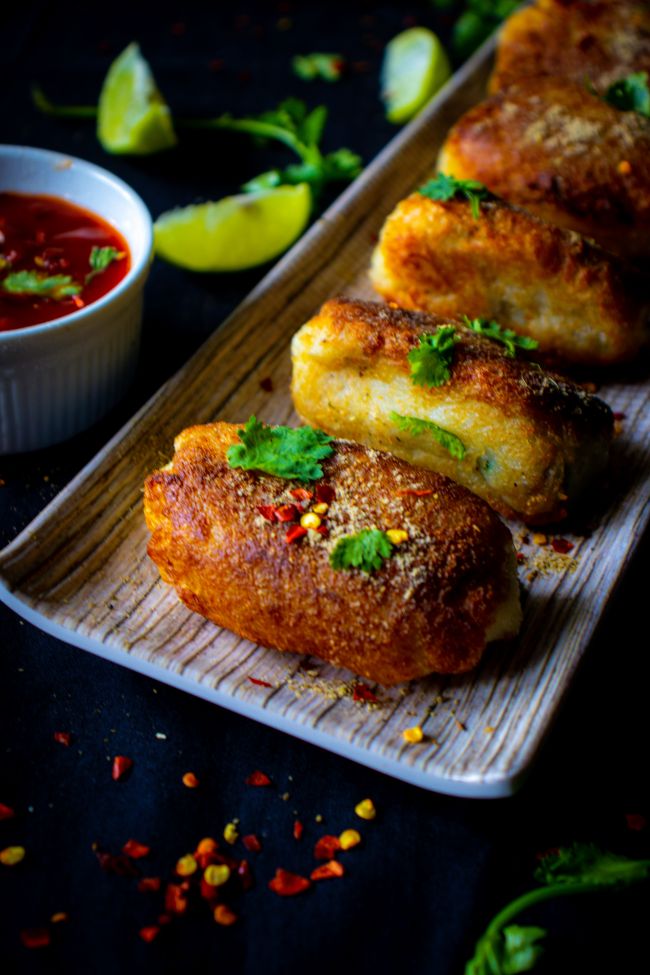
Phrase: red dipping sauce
{"type": "Point", "coordinates": [55, 258]}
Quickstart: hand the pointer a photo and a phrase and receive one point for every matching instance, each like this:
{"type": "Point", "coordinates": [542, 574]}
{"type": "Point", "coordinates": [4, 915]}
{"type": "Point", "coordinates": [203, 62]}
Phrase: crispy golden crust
{"type": "Point", "coordinates": [578, 40]}
{"type": "Point", "coordinates": [577, 301]}
{"type": "Point", "coordinates": [532, 441]}
{"type": "Point", "coordinates": [563, 153]}
{"type": "Point", "coordinates": [431, 607]}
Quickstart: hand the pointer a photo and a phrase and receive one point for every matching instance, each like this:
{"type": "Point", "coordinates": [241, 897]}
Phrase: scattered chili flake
{"type": "Point", "coordinates": [63, 737]}
{"type": "Point", "coordinates": [620, 416]}
{"type": "Point", "coordinates": [59, 917]}
{"type": "Point", "coordinates": [11, 855]}
{"type": "Point", "coordinates": [635, 821]}
{"type": "Point", "coordinates": [224, 915]}
{"type": "Point", "coordinates": [520, 558]}
{"type": "Point", "coordinates": [561, 545]}
{"type": "Point", "coordinates": [298, 829]}
{"type": "Point", "coordinates": [459, 724]}
{"type": "Point", "coordinates": [252, 843]}
{"type": "Point", "coordinates": [327, 870]}
{"type": "Point", "coordinates": [287, 512]}
{"type": "Point", "coordinates": [216, 874]}
{"type": "Point", "coordinates": [349, 838]}
{"type": "Point", "coordinates": [301, 494]}
{"type": "Point", "coordinates": [245, 875]}
{"type": "Point", "coordinates": [361, 692]}
{"type": "Point", "coordinates": [325, 493]}
{"type": "Point", "coordinates": [120, 865]}
{"type": "Point", "coordinates": [416, 492]}
{"type": "Point", "coordinates": [365, 809]}
{"type": "Point", "coordinates": [135, 850]}
{"type": "Point", "coordinates": [149, 885]}
{"type": "Point", "coordinates": [287, 884]}
{"type": "Point", "coordinates": [175, 899]}
{"type": "Point", "coordinates": [258, 778]}
{"type": "Point", "coordinates": [122, 765]}
{"type": "Point", "coordinates": [35, 937]}
{"type": "Point", "coordinates": [260, 683]}
{"type": "Point", "coordinates": [206, 845]}
{"type": "Point", "coordinates": [190, 780]}
{"type": "Point", "coordinates": [230, 833]}
{"type": "Point", "coordinates": [326, 847]}
{"type": "Point", "coordinates": [149, 933]}
{"type": "Point", "coordinates": [267, 511]}
{"type": "Point", "coordinates": [186, 866]}
{"type": "Point", "coordinates": [294, 534]}
{"type": "Point", "coordinates": [6, 812]}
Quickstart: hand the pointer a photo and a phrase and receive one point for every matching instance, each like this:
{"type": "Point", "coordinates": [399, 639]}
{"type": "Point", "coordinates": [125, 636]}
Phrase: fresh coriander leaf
{"type": "Point", "coordinates": [444, 187]}
{"type": "Point", "coordinates": [415, 426]}
{"type": "Point", "coordinates": [492, 330]}
{"type": "Point", "coordinates": [283, 451]}
{"type": "Point", "coordinates": [520, 952]}
{"type": "Point", "coordinates": [100, 258]}
{"type": "Point", "coordinates": [586, 863]}
{"type": "Point", "coordinates": [312, 126]}
{"type": "Point", "coordinates": [324, 67]}
{"type": "Point", "coordinates": [366, 551]}
{"type": "Point", "coordinates": [341, 165]}
{"type": "Point", "coordinates": [430, 361]}
{"type": "Point", "coordinates": [630, 94]}
{"type": "Point", "coordinates": [57, 286]}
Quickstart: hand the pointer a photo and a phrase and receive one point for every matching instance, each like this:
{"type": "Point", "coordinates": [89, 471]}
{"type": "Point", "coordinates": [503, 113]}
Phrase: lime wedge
{"type": "Point", "coordinates": [415, 66]}
{"type": "Point", "coordinates": [132, 114]}
{"type": "Point", "coordinates": [235, 233]}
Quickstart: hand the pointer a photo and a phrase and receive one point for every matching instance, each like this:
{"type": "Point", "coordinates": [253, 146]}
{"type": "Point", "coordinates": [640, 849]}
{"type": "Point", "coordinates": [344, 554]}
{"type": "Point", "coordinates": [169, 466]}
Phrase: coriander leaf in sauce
{"type": "Point", "coordinates": [445, 187]}
{"type": "Point", "coordinates": [415, 426]}
{"type": "Point", "coordinates": [100, 258]}
{"type": "Point", "coordinates": [57, 286]}
{"type": "Point", "coordinates": [366, 550]}
{"type": "Point", "coordinates": [492, 330]}
{"type": "Point", "coordinates": [630, 94]}
{"type": "Point", "coordinates": [283, 451]}
{"type": "Point", "coordinates": [430, 361]}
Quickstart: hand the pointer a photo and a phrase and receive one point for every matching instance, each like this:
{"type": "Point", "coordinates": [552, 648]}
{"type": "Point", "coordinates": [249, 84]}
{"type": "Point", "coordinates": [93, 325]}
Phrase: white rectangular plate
{"type": "Point", "coordinates": [80, 570]}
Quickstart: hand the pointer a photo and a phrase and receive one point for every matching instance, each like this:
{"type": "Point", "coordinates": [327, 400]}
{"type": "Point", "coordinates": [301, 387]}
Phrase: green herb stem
{"type": "Point", "coordinates": [48, 107]}
{"type": "Point", "coordinates": [259, 128]}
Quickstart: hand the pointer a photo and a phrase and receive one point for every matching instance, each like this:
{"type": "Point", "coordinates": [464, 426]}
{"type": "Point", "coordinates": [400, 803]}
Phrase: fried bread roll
{"type": "Point", "coordinates": [449, 588]}
{"type": "Point", "coordinates": [578, 302]}
{"type": "Point", "coordinates": [526, 441]}
{"type": "Point", "coordinates": [599, 41]}
{"type": "Point", "coordinates": [554, 148]}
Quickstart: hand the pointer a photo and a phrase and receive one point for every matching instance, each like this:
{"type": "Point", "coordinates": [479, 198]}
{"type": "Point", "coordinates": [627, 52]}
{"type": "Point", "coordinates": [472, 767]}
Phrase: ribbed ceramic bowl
{"type": "Point", "coordinates": [58, 378]}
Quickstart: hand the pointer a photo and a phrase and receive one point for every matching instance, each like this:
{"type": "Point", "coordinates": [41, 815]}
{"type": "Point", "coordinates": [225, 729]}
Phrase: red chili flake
{"type": "Point", "coordinates": [121, 766]}
{"type": "Point", "coordinates": [361, 692]}
{"type": "Point", "coordinates": [135, 850]}
{"type": "Point", "coordinates": [267, 511]}
{"type": "Point", "coordinates": [149, 885]}
{"type": "Point", "coordinates": [63, 737]}
{"type": "Point", "coordinates": [416, 492]}
{"type": "Point", "coordinates": [245, 875]}
{"type": "Point", "coordinates": [35, 937]}
{"type": "Point", "coordinates": [208, 891]}
{"type": "Point", "coordinates": [76, 300]}
{"type": "Point", "coordinates": [252, 843]}
{"type": "Point", "coordinates": [561, 545]}
{"type": "Point", "coordinates": [322, 530]}
{"type": "Point", "coordinates": [190, 780]}
{"type": "Point", "coordinates": [287, 512]}
{"type": "Point", "coordinates": [294, 534]}
{"type": "Point", "coordinates": [301, 494]}
{"type": "Point", "coordinates": [520, 557]}
{"type": "Point", "coordinates": [298, 830]}
{"type": "Point", "coordinates": [260, 683]}
{"type": "Point", "coordinates": [635, 821]}
{"type": "Point", "coordinates": [326, 847]}
{"type": "Point", "coordinates": [224, 915]}
{"type": "Point", "coordinates": [327, 870]}
{"type": "Point", "coordinates": [267, 383]}
{"type": "Point", "coordinates": [620, 416]}
{"type": "Point", "coordinates": [288, 884]}
{"type": "Point", "coordinates": [258, 778]}
{"type": "Point", "coordinates": [175, 898]}
{"type": "Point", "coordinates": [149, 933]}
{"type": "Point", "coordinates": [325, 493]}
{"type": "Point", "coordinates": [120, 865]}
{"type": "Point", "coordinates": [6, 812]}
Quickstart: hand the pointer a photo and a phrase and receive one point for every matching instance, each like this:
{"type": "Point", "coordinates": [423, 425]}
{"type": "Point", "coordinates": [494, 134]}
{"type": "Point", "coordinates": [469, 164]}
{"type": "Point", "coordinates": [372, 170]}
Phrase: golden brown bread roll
{"type": "Point", "coordinates": [563, 153]}
{"type": "Point", "coordinates": [531, 442]}
{"type": "Point", "coordinates": [432, 605]}
{"type": "Point", "coordinates": [577, 301]}
{"type": "Point", "coordinates": [599, 41]}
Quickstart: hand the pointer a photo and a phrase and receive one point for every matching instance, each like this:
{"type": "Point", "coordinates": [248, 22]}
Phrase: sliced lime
{"type": "Point", "coordinates": [132, 114]}
{"type": "Point", "coordinates": [234, 233]}
{"type": "Point", "coordinates": [415, 66]}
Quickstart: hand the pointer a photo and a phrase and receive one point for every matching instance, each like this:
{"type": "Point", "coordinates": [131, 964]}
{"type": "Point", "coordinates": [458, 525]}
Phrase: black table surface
{"type": "Point", "coordinates": [431, 870]}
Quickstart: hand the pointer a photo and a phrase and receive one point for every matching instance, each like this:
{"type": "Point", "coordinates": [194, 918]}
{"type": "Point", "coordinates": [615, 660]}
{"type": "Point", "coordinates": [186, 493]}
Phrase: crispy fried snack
{"type": "Point", "coordinates": [563, 153]}
{"type": "Point", "coordinates": [578, 302]}
{"type": "Point", "coordinates": [432, 605]}
{"type": "Point", "coordinates": [531, 442]}
{"type": "Point", "coordinates": [595, 41]}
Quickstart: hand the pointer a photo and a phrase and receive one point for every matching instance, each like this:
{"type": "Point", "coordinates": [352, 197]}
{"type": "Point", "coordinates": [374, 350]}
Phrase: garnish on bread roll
{"type": "Point", "coordinates": [347, 554]}
{"type": "Point", "coordinates": [455, 398]}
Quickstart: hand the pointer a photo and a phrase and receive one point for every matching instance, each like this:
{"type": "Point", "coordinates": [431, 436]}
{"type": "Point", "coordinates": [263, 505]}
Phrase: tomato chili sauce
{"type": "Point", "coordinates": [55, 258]}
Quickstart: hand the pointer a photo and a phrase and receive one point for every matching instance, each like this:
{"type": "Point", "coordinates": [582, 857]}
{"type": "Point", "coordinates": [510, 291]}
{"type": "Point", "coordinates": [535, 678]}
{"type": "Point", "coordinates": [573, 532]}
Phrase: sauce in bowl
{"type": "Point", "coordinates": [55, 258]}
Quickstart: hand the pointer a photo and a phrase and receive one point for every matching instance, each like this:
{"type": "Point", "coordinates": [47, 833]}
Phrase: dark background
{"type": "Point", "coordinates": [432, 870]}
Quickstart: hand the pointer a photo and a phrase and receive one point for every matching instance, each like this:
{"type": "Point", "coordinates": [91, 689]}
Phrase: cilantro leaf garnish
{"type": "Point", "coordinates": [100, 258]}
{"type": "Point", "coordinates": [283, 451]}
{"type": "Point", "coordinates": [415, 426]}
{"type": "Point", "coordinates": [57, 286]}
{"type": "Point", "coordinates": [366, 550]}
{"type": "Point", "coordinates": [430, 361]}
{"type": "Point", "coordinates": [630, 94]}
{"type": "Point", "coordinates": [324, 67]}
{"type": "Point", "coordinates": [445, 187]}
{"type": "Point", "coordinates": [492, 330]}
{"type": "Point", "coordinates": [505, 948]}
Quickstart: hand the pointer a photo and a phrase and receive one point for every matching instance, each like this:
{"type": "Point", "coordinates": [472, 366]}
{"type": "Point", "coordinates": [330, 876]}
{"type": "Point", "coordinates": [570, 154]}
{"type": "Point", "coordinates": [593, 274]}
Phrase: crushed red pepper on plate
{"type": "Point", "coordinates": [6, 812]}
{"type": "Point", "coordinates": [135, 850]}
{"type": "Point", "coordinates": [328, 870]}
{"type": "Point", "coordinates": [561, 545]}
{"type": "Point", "coordinates": [252, 843]}
{"type": "Point", "coordinates": [298, 829]}
{"type": "Point", "coordinates": [149, 885]}
{"type": "Point", "coordinates": [260, 683]}
{"type": "Point", "coordinates": [35, 937]}
{"type": "Point", "coordinates": [149, 933]}
{"type": "Point", "coordinates": [288, 884]}
{"type": "Point", "coordinates": [258, 778]}
{"type": "Point", "coordinates": [224, 915]}
{"type": "Point", "coordinates": [122, 765]}
{"type": "Point", "coordinates": [326, 847]}
{"type": "Point", "coordinates": [63, 738]}
{"type": "Point", "coordinates": [190, 780]}
{"type": "Point", "coordinates": [361, 692]}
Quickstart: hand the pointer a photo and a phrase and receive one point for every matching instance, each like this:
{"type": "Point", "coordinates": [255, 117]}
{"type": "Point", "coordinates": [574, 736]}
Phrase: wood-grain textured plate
{"type": "Point", "coordinates": [80, 570]}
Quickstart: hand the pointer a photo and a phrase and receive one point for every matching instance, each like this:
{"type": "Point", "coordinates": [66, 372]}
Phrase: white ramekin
{"type": "Point", "coordinates": [58, 378]}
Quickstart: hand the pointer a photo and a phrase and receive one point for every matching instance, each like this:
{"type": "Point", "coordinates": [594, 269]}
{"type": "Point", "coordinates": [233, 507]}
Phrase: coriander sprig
{"type": "Point", "coordinates": [57, 286]}
{"type": "Point", "coordinates": [492, 330]}
{"type": "Point", "coordinates": [283, 451]}
{"type": "Point", "coordinates": [367, 550]}
{"type": "Point", "coordinates": [444, 187]}
{"type": "Point", "coordinates": [630, 94]}
{"type": "Point", "coordinates": [431, 359]}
